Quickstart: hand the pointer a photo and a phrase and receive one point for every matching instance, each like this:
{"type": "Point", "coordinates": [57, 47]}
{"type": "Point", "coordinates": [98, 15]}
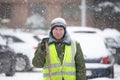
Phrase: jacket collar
{"type": "Point", "coordinates": [66, 39]}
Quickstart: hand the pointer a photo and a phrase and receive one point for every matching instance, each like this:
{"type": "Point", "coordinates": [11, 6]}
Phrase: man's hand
{"type": "Point", "coordinates": [43, 43]}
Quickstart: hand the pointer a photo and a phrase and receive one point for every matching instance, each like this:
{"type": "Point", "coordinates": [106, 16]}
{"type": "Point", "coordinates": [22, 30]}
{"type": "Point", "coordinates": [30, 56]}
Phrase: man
{"type": "Point", "coordinates": [64, 60]}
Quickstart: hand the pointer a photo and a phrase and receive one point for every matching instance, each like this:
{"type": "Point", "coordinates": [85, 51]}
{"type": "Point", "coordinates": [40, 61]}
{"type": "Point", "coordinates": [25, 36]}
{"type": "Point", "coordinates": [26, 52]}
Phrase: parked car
{"type": "Point", "coordinates": [98, 60]}
{"type": "Point", "coordinates": [7, 58]}
{"type": "Point", "coordinates": [24, 45]}
{"type": "Point", "coordinates": [111, 45]}
{"type": "Point", "coordinates": [112, 37]}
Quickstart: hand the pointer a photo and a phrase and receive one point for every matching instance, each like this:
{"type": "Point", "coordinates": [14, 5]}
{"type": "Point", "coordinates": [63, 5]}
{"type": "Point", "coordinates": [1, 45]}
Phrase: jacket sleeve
{"type": "Point", "coordinates": [39, 57]}
{"type": "Point", "coordinates": [80, 64]}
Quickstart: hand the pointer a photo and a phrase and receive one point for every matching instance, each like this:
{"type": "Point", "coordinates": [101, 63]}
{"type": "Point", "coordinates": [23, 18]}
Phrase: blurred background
{"type": "Point", "coordinates": [38, 13]}
{"type": "Point", "coordinates": [93, 23]}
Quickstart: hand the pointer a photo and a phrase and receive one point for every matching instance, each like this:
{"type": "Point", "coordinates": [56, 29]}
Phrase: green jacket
{"type": "Point", "coordinates": [39, 59]}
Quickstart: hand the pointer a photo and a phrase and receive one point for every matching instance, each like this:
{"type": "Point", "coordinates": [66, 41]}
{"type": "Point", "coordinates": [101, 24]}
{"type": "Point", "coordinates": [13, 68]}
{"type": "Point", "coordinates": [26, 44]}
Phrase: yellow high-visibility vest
{"type": "Point", "coordinates": [65, 70]}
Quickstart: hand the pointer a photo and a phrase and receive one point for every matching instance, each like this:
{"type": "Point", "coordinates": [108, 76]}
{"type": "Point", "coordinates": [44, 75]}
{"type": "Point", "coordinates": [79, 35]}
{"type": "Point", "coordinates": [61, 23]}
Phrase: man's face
{"type": "Point", "coordinates": [58, 32]}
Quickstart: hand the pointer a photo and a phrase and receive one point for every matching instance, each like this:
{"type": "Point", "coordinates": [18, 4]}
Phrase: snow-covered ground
{"type": "Point", "coordinates": [37, 75]}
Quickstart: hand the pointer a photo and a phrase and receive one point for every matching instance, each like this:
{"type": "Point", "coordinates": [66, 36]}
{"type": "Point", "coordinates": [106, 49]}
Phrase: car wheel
{"type": "Point", "coordinates": [111, 71]}
{"type": "Point", "coordinates": [22, 63]}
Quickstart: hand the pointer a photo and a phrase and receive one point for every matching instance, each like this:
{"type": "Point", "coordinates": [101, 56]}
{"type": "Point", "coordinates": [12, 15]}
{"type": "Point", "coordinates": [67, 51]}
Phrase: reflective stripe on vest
{"type": "Point", "coordinates": [65, 70]}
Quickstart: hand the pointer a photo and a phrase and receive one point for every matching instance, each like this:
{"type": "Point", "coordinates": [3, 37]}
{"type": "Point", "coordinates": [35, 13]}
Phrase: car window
{"type": "Point", "coordinates": [2, 40]}
{"type": "Point", "coordinates": [84, 32]}
{"type": "Point", "coordinates": [14, 39]}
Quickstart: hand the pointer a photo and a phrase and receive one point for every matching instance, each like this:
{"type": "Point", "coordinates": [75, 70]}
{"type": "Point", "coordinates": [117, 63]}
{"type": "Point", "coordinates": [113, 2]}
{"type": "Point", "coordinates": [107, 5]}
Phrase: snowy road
{"type": "Point", "coordinates": [37, 75]}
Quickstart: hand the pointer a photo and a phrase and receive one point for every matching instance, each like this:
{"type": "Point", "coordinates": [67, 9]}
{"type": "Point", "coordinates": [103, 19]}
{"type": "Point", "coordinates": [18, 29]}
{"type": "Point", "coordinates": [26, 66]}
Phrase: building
{"type": "Point", "coordinates": [18, 13]}
{"type": "Point", "coordinates": [39, 13]}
